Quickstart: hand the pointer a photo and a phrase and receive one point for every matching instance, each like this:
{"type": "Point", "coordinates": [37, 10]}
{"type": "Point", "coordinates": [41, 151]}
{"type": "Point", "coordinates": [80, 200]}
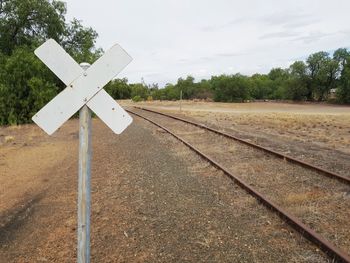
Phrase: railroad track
{"type": "Point", "coordinates": [286, 157]}
{"type": "Point", "coordinates": [203, 140]}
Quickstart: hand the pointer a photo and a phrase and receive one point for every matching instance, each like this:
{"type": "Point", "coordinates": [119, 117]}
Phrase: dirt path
{"type": "Point", "coordinates": [152, 201]}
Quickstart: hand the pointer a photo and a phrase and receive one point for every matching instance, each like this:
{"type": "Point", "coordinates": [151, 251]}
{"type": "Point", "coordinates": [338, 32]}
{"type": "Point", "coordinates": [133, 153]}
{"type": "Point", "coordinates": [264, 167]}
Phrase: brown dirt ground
{"type": "Point", "coordinates": [152, 201]}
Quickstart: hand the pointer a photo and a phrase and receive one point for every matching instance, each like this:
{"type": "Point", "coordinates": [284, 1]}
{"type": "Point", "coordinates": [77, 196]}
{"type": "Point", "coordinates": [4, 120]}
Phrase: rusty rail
{"type": "Point", "coordinates": [291, 159]}
{"type": "Point", "coordinates": [299, 226]}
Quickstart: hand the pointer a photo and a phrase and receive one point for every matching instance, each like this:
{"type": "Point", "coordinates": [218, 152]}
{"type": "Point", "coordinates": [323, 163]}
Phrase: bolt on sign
{"type": "Point", "coordinates": [84, 92]}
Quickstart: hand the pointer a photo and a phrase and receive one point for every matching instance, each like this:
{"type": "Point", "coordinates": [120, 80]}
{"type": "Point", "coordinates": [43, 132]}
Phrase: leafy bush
{"type": "Point", "coordinates": [26, 86]}
{"type": "Point", "coordinates": [232, 88]}
{"type": "Point", "coordinates": [137, 98]}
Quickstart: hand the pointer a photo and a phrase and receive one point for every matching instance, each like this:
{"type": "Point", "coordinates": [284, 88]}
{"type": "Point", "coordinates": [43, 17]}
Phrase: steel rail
{"type": "Point", "coordinates": [291, 159]}
{"type": "Point", "coordinates": [296, 223]}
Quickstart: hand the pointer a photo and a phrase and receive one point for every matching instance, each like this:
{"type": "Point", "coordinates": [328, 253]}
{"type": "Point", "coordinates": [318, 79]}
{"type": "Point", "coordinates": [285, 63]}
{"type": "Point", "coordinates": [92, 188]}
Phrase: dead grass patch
{"type": "Point", "coordinates": [297, 198]}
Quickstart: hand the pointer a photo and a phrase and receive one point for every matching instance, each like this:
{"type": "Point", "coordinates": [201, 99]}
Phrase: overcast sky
{"type": "Point", "coordinates": [175, 38]}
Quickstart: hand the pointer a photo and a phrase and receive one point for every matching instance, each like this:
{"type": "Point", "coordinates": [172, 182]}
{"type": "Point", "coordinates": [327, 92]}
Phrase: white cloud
{"type": "Point", "coordinates": [173, 38]}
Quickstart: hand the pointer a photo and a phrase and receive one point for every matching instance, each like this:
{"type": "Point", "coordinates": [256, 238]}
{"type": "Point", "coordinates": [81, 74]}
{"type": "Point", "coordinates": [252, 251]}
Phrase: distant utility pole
{"type": "Point", "coordinates": [180, 100]}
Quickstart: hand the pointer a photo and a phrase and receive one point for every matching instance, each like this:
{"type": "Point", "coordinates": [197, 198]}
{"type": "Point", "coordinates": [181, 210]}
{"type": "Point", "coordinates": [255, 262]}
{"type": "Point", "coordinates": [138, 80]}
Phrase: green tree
{"type": "Point", "coordinates": [296, 86]}
{"type": "Point", "coordinates": [171, 92]}
{"type": "Point", "coordinates": [278, 74]}
{"type": "Point", "coordinates": [327, 78]}
{"type": "Point", "coordinates": [233, 88]}
{"type": "Point", "coordinates": [261, 86]}
{"type": "Point", "coordinates": [29, 22]}
{"type": "Point", "coordinates": [79, 42]}
{"type": "Point", "coordinates": [203, 90]}
{"type": "Point", "coordinates": [187, 86]}
{"type": "Point", "coordinates": [119, 89]}
{"type": "Point", "coordinates": [341, 55]}
{"type": "Point", "coordinates": [139, 89]}
{"type": "Point", "coordinates": [343, 90]}
{"type": "Point", "coordinates": [322, 72]}
{"type": "Point", "coordinates": [26, 84]}
{"type": "Point", "coordinates": [279, 78]}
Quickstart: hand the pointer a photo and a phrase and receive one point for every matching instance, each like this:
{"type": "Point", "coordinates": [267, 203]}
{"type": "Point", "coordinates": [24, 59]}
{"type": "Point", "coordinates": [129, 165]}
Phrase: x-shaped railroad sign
{"type": "Point", "coordinates": [83, 87]}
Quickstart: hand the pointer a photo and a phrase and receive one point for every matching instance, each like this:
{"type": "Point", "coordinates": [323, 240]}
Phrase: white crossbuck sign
{"type": "Point", "coordinates": [83, 87]}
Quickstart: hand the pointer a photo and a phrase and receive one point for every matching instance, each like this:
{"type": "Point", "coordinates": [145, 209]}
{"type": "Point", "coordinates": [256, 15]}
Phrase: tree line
{"type": "Point", "coordinates": [321, 77]}
{"type": "Point", "coordinates": [26, 84]}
